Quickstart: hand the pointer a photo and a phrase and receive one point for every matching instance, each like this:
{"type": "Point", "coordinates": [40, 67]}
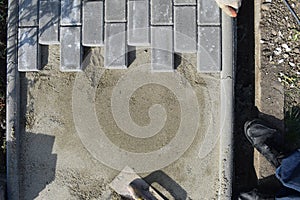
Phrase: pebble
{"type": "Point", "coordinates": [292, 64]}
{"type": "Point", "coordinates": [286, 47]}
{"type": "Point", "coordinates": [280, 61]}
{"type": "Point", "coordinates": [277, 51]}
{"type": "Point", "coordinates": [274, 32]}
{"type": "Point", "coordinates": [285, 55]}
{"type": "Point", "coordinates": [297, 50]}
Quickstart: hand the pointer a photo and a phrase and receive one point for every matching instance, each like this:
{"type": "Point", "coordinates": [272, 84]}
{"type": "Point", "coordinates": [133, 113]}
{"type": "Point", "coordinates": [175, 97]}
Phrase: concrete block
{"type": "Point", "coordinates": [115, 46]}
{"type": "Point", "coordinates": [71, 51]}
{"type": "Point", "coordinates": [185, 26]}
{"type": "Point", "coordinates": [138, 23]}
{"type": "Point", "coordinates": [49, 22]}
{"type": "Point", "coordinates": [28, 49]}
{"type": "Point", "coordinates": [93, 23]}
{"type": "Point", "coordinates": [185, 2]}
{"type": "Point", "coordinates": [162, 56]}
{"type": "Point", "coordinates": [262, 166]}
{"type": "Point", "coordinates": [161, 12]}
{"type": "Point", "coordinates": [70, 12]}
{"type": "Point", "coordinates": [209, 49]}
{"type": "Point", "coordinates": [208, 13]}
{"type": "Point", "coordinates": [28, 13]}
{"type": "Point", "coordinates": [115, 11]}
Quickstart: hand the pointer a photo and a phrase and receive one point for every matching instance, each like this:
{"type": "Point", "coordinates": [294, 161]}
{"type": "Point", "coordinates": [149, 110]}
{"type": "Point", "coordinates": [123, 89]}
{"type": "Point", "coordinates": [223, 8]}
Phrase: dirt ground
{"type": "Point", "coordinates": [280, 47]}
{"type": "Point", "coordinates": [56, 162]}
{"type": "Point", "coordinates": [280, 39]}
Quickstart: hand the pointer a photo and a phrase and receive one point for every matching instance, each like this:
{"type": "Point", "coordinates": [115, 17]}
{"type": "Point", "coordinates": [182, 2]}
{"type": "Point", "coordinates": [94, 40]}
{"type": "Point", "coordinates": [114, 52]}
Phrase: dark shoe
{"type": "Point", "coordinates": [254, 195]}
{"type": "Point", "coordinates": [266, 140]}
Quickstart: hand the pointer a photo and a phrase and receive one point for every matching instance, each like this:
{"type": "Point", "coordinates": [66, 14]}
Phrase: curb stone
{"type": "Point", "coordinates": [262, 90]}
{"type": "Point", "coordinates": [227, 111]}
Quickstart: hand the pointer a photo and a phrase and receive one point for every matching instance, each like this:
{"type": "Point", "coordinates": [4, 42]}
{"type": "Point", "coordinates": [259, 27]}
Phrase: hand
{"type": "Point", "coordinates": [230, 7]}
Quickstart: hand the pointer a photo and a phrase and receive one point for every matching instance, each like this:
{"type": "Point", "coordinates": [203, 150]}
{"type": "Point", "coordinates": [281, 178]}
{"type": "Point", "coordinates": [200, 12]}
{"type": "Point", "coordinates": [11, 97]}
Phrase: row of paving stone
{"type": "Point", "coordinates": [165, 26]}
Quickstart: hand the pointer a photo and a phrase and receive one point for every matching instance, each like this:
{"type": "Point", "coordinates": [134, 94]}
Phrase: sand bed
{"type": "Point", "coordinates": [63, 156]}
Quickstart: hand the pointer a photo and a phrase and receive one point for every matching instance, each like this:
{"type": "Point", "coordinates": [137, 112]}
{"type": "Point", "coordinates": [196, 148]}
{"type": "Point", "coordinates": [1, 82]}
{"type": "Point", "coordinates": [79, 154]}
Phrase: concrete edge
{"type": "Point", "coordinates": [12, 104]}
{"type": "Point", "coordinates": [262, 166]}
{"type": "Point", "coordinates": [227, 108]}
{"type": "Point", "coordinates": [257, 52]}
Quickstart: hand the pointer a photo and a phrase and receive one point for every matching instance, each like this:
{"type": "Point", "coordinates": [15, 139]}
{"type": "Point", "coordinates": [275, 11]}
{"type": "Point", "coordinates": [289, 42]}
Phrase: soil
{"type": "Point", "coordinates": [280, 38]}
{"type": "Point", "coordinates": [245, 178]}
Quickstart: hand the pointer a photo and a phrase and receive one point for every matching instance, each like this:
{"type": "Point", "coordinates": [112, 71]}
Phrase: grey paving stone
{"type": "Point", "coordinates": [162, 56]}
{"type": "Point", "coordinates": [185, 26]}
{"type": "Point", "coordinates": [28, 13]}
{"type": "Point", "coordinates": [70, 12]}
{"type": "Point", "coordinates": [115, 11]}
{"type": "Point", "coordinates": [49, 22]}
{"type": "Point", "coordinates": [71, 50]}
{"type": "Point", "coordinates": [208, 13]}
{"type": "Point", "coordinates": [138, 23]}
{"type": "Point", "coordinates": [209, 49]}
{"type": "Point", "coordinates": [93, 23]}
{"type": "Point", "coordinates": [28, 49]}
{"type": "Point", "coordinates": [161, 12]}
{"type": "Point", "coordinates": [115, 55]}
{"type": "Point", "coordinates": [185, 2]}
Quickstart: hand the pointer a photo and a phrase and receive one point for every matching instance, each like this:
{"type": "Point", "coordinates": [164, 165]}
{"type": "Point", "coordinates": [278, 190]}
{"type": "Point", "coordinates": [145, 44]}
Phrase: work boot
{"type": "Point", "coordinates": [268, 141]}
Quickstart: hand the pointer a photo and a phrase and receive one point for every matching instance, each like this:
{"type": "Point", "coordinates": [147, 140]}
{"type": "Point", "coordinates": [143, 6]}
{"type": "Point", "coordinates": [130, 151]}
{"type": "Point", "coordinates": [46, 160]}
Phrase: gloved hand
{"type": "Point", "coordinates": [230, 7]}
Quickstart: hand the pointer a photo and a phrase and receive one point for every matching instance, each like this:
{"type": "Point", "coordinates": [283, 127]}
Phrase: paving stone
{"type": "Point", "coordinates": [115, 11]}
{"type": "Point", "coordinates": [28, 13]}
{"type": "Point", "coordinates": [115, 46]}
{"type": "Point", "coordinates": [208, 13]}
{"type": "Point", "coordinates": [161, 12]}
{"type": "Point", "coordinates": [209, 49]}
{"type": "Point", "coordinates": [138, 23]}
{"type": "Point", "coordinates": [92, 25]}
{"type": "Point", "coordinates": [185, 2]}
{"type": "Point", "coordinates": [49, 22]}
{"type": "Point", "coordinates": [71, 51]}
{"type": "Point", "coordinates": [162, 56]}
{"type": "Point", "coordinates": [28, 49]}
{"type": "Point", "coordinates": [70, 12]}
{"type": "Point", "coordinates": [185, 26]}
